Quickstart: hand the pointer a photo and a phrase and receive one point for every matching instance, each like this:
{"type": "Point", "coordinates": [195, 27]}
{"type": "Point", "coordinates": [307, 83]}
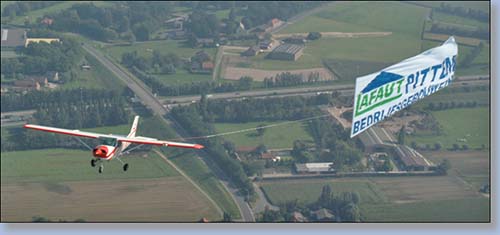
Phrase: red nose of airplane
{"type": "Point", "coordinates": [100, 151]}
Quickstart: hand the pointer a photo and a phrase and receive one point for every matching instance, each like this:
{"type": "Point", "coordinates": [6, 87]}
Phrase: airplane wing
{"type": "Point", "coordinates": [152, 141]}
{"type": "Point", "coordinates": [65, 131]}
{"type": "Point", "coordinates": [135, 140]}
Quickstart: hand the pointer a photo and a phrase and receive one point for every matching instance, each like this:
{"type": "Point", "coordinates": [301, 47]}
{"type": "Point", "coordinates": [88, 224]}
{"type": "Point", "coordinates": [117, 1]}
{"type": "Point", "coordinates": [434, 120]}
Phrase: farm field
{"type": "Point", "coordinates": [275, 137]}
{"type": "Point", "coordinates": [477, 5]}
{"type": "Point", "coordinates": [308, 191]}
{"type": "Point", "coordinates": [454, 19]}
{"type": "Point", "coordinates": [232, 73]}
{"type": "Point", "coordinates": [139, 200]}
{"type": "Point", "coordinates": [163, 46]}
{"type": "Point", "coordinates": [474, 123]}
{"type": "Point", "coordinates": [471, 166]}
{"type": "Point", "coordinates": [456, 210]}
{"type": "Point", "coordinates": [481, 97]}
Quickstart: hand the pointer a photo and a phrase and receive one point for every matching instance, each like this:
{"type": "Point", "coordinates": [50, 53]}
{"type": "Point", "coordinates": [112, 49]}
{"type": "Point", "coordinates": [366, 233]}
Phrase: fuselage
{"type": "Point", "coordinates": [105, 152]}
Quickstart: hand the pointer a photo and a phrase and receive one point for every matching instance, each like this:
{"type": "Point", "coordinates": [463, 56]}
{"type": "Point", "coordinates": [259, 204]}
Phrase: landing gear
{"type": "Point", "coordinates": [92, 162]}
{"type": "Point", "coordinates": [125, 167]}
{"type": "Point", "coordinates": [101, 168]}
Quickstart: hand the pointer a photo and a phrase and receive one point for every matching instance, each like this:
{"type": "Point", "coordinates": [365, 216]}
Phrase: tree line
{"type": "Point", "coordinates": [481, 33]}
{"type": "Point", "coordinates": [20, 8]}
{"type": "Point", "coordinates": [290, 79]}
{"type": "Point", "coordinates": [42, 57]}
{"type": "Point", "coordinates": [129, 20]}
{"type": "Point", "coordinates": [464, 12]}
{"type": "Point", "coordinates": [159, 63]}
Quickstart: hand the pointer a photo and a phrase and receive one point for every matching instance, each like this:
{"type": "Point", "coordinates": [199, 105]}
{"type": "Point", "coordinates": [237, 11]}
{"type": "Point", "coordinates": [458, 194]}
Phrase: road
{"type": "Point", "coordinates": [148, 99]}
{"type": "Point", "coordinates": [345, 89]}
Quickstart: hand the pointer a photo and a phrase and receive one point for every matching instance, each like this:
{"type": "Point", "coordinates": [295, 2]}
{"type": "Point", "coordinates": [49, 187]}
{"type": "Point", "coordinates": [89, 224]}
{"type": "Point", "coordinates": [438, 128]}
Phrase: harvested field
{"type": "Point", "coordinates": [141, 200]}
{"type": "Point", "coordinates": [233, 73]}
{"type": "Point", "coordinates": [411, 189]}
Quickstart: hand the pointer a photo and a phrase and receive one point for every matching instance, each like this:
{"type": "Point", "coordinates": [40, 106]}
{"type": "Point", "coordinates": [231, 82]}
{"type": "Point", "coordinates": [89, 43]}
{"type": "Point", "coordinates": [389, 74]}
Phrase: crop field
{"type": "Point", "coordinates": [182, 76]}
{"type": "Point", "coordinates": [460, 40]}
{"type": "Point", "coordinates": [308, 191]}
{"type": "Point", "coordinates": [474, 126]}
{"type": "Point", "coordinates": [349, 70]}
{"type": "Point", "coordinates": [454, 210]}
{"type": "Point", "coordinates": [364, 16]}
{"type": "Point", "coordinates": [164, 46]}
{"type": "Point", "coordinates": [275, 137]}
{"type": "Point", "coordinates": [471, 166]}
{"type": "Point", "coordinates": [458, 20]}
{"type": "Point", "coordinates": [134, 200]}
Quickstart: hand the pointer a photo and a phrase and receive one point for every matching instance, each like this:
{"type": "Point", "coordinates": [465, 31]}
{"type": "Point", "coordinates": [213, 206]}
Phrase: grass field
{"type": "Point", "coordinates": [56, 165]}
{"type": "Point", "coordinates": [454, 19]}
{"type": "Point", "coordinates": [364, 16]}
{"type": "Point", "coordinates": [471, 166]}
{"type": "Point", "coordinates": [481, 97]}
{"type": "Point", "coordinates": [182, 76]}
{"type": "Point", "coordinates": [170, 199]}
{"type": "Point", "coordinates": [469, 123]}
{"type": "Point", "coordinates": [97, 77]}
{"type": "Point", "coordinates": [164, 46]}
{"type": "Point", "coordinates": [457, 210]}
{"type": "Point", "coordinates": [478, 5]}
{"type": "Point", "coordinates": [275, 137]}
{"type": "Point", "coordinates": [308, 191]}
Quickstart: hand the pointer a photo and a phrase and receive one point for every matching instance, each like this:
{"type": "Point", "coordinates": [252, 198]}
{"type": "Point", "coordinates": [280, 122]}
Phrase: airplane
{"type": "Point", "coordinates": [112, 146]}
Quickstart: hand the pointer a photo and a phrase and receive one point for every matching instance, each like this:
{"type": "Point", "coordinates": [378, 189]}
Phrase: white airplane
{"type": "Point", "coordinates": [113, 146]}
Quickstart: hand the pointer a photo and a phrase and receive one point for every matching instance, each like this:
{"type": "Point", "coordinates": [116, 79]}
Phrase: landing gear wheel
{"type": "Point", "coordinates": [92, 162]}
{"type": "Point", "coordinates": [125, 167]}
{"type": "Point", "coordinates": [101, 168]}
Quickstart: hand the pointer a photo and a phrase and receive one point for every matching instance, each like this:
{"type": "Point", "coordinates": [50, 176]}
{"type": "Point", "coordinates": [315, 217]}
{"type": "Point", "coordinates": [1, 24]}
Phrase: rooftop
{"type": "Point", "coordinates": [314, 167]}
{"type": "Point", "coordinates": [13, 37]}
{"type": "Point", "coordinates": [288, 48]}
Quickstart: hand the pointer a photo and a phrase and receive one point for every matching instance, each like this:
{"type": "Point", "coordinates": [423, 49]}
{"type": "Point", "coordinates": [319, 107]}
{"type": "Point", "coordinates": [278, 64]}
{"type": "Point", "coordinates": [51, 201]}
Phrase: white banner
{"type": "Point", "coordinates": [381, 94]}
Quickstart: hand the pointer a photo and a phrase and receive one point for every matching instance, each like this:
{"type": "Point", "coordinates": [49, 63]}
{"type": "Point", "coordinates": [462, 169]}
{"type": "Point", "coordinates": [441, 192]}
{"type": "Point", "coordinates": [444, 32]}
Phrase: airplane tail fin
{"type": "Point", "coordinates": [133, 130]}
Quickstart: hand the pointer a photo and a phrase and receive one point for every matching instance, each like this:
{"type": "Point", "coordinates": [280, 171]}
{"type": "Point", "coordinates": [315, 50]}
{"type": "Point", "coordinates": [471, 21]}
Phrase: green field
{"type": "Point", "coordinates": [364, 16]}
{"type": "Point", "coordinates": [56, 165]}
{"type": "Point", "coordinates": [182, 76]}
{"type": "Point", "coordinates": [202, 175]}
{"type": "Point", "coordinates": [454, 19]}
{"type": "Point", "coordinates": [481, 97]}
{"type": "Point", "coordinates": [165, 46]}
{"type": "Point", "coordinates": [97, 77]}
{"type": "Point", "coordinates": [274, 137]}
{"type": "Point", "coordinates": [477, 5]}
{"type": "Point", "coordinates": [309, 191]}
{"type": "Point", "coordinates": [469, 123]}
{"type": "Point", "coordinates": [456, 210]}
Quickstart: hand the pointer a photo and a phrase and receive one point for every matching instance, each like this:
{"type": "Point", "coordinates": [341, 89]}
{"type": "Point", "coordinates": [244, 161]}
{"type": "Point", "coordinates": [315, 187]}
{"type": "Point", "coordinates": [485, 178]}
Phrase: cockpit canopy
{"type": "Point", "coordinates": [108, 141]}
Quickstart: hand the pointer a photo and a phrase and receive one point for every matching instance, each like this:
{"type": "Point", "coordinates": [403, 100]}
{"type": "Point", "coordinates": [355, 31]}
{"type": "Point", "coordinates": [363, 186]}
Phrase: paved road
{"type": "Point", "coordinates": [143, 93]}
{"type": "Point", "coordinates": [345, 89]}
{"type": "Point", "coordinates": [262, 202]}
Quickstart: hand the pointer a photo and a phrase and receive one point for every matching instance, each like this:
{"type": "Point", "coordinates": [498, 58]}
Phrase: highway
{"type": "Point", "coordinates": [148, 99]}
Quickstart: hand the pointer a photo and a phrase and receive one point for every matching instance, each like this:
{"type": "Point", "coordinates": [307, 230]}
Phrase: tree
{"type": "Point", "coordinates": [444, 166]}
{"type": "Point", "coordinates": [142, 32]}
{"type": "Point", "coordinates": [245, 83]}
{"type": "Point", "coordinates": [227, 217]}
{"type": "Point", "coordinates": [437, 146]}
{"type": "Point", "coordinates": [401, 135]}
{"type": "Point", "coordinates": [260, 129]}
{"type": "Point", "coordinates": [314, 36]}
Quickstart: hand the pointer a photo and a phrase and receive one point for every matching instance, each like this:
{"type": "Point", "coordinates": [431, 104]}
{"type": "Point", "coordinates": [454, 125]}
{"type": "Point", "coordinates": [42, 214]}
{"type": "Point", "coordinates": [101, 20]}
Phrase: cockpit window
{"type": "Point", "coordinates": [108, 141]}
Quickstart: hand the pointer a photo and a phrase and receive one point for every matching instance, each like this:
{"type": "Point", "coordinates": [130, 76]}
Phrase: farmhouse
{"type": "Point", "coordinates": [38, 40]}
{"type": "Point", "coordinates": [323, 215]}
{"type": "Point", "coordinates": [298, 217]}
{"type": "Point", "coordinates": [12, 38]}
{"type": "Point", "coordinates": [32, 82]}
{"type": "Point", "coordinates": [286, 52]}
{"type": "Point", "coordinates": [266, 44]}
{"type": "Point", "coordinates": [314, 168]}
{"type": "Point", "coordinates": [201, 63]}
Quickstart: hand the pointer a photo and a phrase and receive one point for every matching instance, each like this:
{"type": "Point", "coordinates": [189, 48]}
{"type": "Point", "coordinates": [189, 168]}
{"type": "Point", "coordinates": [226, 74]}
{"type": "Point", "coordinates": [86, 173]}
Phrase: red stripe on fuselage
{"type": "Point", "coordinates": [58, 132]}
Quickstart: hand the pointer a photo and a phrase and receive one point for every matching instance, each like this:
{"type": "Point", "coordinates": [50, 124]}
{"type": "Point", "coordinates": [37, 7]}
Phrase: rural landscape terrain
{"type": "Point", "coordinates": [266, 87]}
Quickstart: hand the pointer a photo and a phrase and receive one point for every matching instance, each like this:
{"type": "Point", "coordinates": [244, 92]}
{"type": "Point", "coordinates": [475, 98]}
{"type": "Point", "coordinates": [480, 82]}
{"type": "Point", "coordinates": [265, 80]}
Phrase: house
{"type": "Point", "coordinates": [47, 21]}
{"type": "Point", "coordinates": [42, 80]}
{"type": "Point", "coordinates": [207, 65]}
{"type": "Point", "coordinates": [12, 38]}
{"type": "Point", "coordinates": [201, 62]}
{"type": "Point", "coordinates": [38, 40]}
{"type": "Point", "coordinates": [177, 34]}
{"type": "Point", "coordinates": [323, 215]}
{"type": "Point", "coordinates": [205, 42]}
{"type": "Point", "coordinates": [266, 44]}
{"type": "Point", "coordinates": [287, 52]}
{"type": "Point", "coordinates": [86, 67]}
{"type": "Point", "coordinates": [298, 217]}
{"type": "Point", "coordinates": [27, 84]}
{"type": "Point", "coordinates": [251, 51]}
{"type": "Point", "coordinates": [52, 76]}
{"type": "Point", "coordinates": [315, 168]}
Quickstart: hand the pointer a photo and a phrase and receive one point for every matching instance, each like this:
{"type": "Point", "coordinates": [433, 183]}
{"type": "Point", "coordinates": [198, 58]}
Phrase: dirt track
{"type": "Point", "coordinates": [337, 34]}
{"type": "Point", "coordinates": [142, 200]}
{"type": "Point", "coordinates": [233, 73]}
